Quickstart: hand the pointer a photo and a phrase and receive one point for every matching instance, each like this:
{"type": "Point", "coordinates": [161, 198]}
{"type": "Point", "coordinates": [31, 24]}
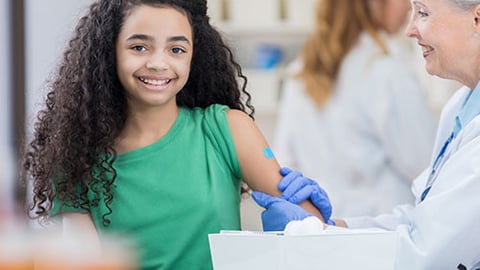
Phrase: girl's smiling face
{"type": "Point", "coordinates": [154, 51]}
{"type": "Point", "coordinates": [446, 34]}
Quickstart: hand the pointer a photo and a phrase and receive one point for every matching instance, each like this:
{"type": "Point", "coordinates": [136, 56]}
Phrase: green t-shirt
{"type": "Point", "coordinates": [170, 195]}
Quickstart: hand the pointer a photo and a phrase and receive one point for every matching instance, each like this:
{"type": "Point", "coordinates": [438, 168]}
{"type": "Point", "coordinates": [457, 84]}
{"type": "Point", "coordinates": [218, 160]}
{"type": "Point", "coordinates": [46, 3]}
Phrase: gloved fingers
{"type": "Point", "coordinates": [297, 186]}
{"type": "Point", "coordinates": [279, 214]}
{"type": "Point", "coordinates": [285, 170]}
{"type": "Point", "coordinates": [320, 199]}
{"type": "Point", "coordinates": [270, 222]}
{"type": "Point", "coordinates": [319, 192]}
{"type": "Point", "coordinates": [331, 222]}
{"type": "Point", "coordinates": [288, 179]}
{"type": "Point", "coordinates": [263, 199]}
{"type": "Point", "coordinates": [326, 211]}
{"type": "Point", "coordinates": [298, 193]}
{"type": "Point", "coordinates": [304, 190]}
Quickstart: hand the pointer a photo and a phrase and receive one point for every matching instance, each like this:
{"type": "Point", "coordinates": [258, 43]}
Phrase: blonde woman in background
{"type": "Point", "coordinates": [352, 114]}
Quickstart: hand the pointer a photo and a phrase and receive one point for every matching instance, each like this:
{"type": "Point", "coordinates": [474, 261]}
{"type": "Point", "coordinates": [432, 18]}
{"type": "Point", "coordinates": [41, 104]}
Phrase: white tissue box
{"type": "Point", "coordinates": [366, 250]}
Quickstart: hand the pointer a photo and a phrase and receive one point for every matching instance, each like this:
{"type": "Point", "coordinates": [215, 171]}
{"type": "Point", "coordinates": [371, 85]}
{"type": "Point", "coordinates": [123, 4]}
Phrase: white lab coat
{"type": "Point", "coordinates": [373, 136]}
{"type": "Point", "coordinates": [444, 230]}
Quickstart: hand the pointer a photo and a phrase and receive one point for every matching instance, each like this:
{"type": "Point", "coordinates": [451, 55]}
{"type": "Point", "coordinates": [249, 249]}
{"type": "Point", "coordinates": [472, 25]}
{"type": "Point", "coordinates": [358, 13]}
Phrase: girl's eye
{"type": "Point", "coordinates": [139, 48]}
{"type": "Point", "coordinates": [177, 50]}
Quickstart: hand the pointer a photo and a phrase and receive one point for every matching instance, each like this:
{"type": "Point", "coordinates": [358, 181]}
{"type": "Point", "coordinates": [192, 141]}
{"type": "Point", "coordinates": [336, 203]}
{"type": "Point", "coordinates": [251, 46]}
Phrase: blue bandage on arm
{"type": "Point", "coordinates": [268, 153]}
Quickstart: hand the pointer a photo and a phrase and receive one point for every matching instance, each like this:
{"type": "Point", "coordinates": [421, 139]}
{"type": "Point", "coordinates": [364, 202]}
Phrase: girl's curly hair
{"type": "Point", "coordinates": [72, 147]}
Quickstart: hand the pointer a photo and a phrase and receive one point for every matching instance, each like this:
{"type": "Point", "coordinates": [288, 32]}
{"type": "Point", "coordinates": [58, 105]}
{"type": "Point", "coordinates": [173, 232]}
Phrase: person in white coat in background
{"type": "Point", "coordinates": [353, 114]}
{"type": "Point", "coordinates": [442, 229]}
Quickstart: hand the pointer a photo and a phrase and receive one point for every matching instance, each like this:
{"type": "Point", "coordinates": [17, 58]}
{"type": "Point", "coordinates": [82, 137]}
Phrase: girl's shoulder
{"type": "Point", "coordinates": [212, 117]}
{"type": "Point", "coordinates": [211, 110]}
{"type": "Point", "coordinates": [219, 117]}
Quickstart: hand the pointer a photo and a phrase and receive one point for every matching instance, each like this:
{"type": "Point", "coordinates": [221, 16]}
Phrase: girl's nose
{"type": "Point", "coordinates": [157, 61]}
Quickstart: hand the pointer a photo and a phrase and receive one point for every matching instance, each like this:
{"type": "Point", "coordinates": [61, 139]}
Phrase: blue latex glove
{"type": "Point", "coordinates": [297, 188]}
{"type": "Point", "coordinates": [278, 212]}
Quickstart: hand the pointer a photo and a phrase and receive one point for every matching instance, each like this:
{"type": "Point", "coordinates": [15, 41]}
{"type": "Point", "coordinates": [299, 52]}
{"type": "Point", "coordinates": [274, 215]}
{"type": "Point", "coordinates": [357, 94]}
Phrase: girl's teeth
{"type": "Point", "coordinates": [154, 82]}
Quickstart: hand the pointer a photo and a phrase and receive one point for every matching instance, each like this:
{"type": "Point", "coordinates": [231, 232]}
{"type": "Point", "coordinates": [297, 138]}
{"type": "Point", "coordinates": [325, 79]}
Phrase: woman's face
{"type": "Point", "coordinates": [390, 15]}
{"type": "Point", "coordinates": [395, 15]}
{"type": "Point", "coordinates": [449, 39]}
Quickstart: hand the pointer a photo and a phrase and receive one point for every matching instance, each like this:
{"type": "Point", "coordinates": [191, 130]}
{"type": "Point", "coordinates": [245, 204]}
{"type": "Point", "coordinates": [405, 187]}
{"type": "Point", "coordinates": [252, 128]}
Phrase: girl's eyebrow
{"type": "Point", "coordinates": [141, 37]}
{"type": "Point", "coordinates": [178, 38]}
{"type": "Point", "coordinates": [151, 39]}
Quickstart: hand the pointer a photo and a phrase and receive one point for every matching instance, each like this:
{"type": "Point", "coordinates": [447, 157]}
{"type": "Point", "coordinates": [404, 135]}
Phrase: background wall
{"type": "Point", "coordinates": [6, 146]}
{"type": "Point", "coordinates": [48, 27]}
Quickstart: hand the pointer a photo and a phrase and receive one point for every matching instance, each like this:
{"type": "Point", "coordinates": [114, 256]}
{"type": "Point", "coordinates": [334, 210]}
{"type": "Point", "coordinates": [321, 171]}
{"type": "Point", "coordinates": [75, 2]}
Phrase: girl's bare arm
{"type": "Point", "coordinates": [259, 167]}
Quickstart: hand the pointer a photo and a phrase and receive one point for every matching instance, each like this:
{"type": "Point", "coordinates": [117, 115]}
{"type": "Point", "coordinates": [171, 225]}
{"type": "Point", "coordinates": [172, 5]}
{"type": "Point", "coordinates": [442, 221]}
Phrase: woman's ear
{"type": "Point", "coordinates": [476, 16]}
{"type": "Point", "coordinates": [476, 21]}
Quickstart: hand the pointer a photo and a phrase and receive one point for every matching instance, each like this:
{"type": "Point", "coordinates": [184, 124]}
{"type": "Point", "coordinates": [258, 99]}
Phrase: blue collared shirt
{"type": "Point", "coordinates": [470, 109]}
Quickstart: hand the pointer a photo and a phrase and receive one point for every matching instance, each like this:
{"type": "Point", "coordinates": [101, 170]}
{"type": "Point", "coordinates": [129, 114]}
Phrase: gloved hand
{"type": "Point", "coordinates": [278, 212]}
{"type": "Point", "coordinates": [297, 188]}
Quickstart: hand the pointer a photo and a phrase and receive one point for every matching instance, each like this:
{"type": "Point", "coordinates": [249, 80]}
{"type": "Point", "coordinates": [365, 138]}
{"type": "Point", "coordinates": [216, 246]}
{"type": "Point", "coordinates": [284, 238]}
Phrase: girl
{"type": "Point", "coordinates": [145, 133]}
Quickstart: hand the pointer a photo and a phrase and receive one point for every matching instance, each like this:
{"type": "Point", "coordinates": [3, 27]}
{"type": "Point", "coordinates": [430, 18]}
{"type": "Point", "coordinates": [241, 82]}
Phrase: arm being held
{"type": "Point", "coordinates": [260, 170]}
{"type": "Point", "coordinates": [279, 212]}
{"type": "Point", "coordinates": [296, 189]}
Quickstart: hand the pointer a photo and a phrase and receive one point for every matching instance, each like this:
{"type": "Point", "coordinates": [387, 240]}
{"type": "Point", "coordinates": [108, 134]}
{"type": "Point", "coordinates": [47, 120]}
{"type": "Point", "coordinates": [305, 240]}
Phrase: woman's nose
{"type": "Point", "coordinates": [411, 29]}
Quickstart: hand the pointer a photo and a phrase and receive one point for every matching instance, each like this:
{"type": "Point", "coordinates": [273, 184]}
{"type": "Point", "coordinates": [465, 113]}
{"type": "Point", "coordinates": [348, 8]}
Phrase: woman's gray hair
{"type": "Point", "coordinates": [466, 4]}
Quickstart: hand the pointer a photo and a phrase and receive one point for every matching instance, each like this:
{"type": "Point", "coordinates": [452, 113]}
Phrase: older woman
{"type": "Point", "coordinates": [442, 229]}
{"type": "Point", "coordinates": [365, 128]}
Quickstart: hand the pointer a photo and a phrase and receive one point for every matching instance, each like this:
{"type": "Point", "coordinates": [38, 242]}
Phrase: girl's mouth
{"type": "Point", "coordinates": [154, 82]}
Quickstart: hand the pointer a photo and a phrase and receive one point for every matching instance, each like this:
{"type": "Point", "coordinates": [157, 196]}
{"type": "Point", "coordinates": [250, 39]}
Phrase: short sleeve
{"type": "Point", "coordinates": [217, 130]}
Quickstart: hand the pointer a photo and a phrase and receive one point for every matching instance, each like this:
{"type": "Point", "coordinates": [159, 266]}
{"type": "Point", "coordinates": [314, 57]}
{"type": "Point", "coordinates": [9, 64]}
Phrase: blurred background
{"type": "Point", "coordinates": [265, 36]}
